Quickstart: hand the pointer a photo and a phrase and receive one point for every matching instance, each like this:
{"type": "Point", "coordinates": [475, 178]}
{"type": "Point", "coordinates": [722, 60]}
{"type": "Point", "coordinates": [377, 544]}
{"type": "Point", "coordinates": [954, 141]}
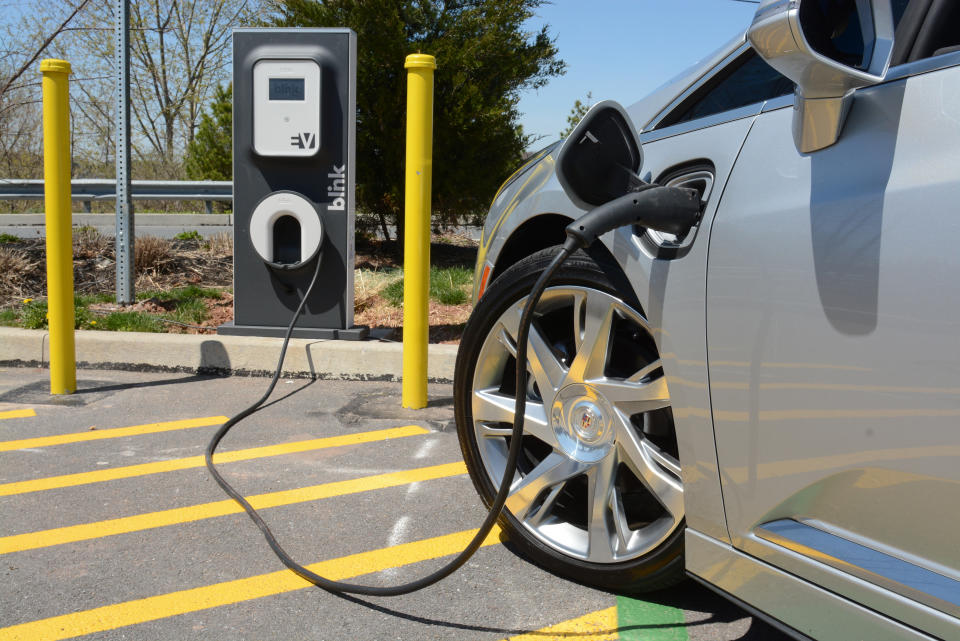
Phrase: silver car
{"type": "Point", "coordinates": [772, 397]}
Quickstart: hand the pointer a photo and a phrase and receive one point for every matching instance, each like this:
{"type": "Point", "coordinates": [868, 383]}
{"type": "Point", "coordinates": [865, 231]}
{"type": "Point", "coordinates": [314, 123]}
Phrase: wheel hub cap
{"type": "Point", "coordinates": [583, 423]}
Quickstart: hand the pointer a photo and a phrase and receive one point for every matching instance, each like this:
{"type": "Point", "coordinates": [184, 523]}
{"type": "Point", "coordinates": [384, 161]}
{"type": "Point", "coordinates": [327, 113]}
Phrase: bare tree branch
{"type": "Point", "coordinates": [46, 43]}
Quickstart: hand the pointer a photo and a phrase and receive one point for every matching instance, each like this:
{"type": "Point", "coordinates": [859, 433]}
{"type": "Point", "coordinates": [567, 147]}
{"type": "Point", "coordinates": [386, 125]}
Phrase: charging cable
{"type": "Point", "coordinates": [661, 206]}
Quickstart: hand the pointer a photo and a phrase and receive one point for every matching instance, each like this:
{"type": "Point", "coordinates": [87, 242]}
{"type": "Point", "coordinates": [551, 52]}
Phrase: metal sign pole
{"type": "Point", "coordinates": [124, 225]}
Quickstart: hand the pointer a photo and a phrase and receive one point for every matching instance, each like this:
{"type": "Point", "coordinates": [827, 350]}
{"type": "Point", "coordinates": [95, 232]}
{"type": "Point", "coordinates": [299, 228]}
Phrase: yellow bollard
{"type": "Point", "coordinates": [416, 242]}
{"type": "Point", "coordinates": [56, 178]}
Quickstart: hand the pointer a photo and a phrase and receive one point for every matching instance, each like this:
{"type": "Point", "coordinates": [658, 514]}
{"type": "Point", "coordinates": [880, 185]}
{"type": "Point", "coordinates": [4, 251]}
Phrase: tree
{"type": "Point", "coordinates": [8, 78]}
{"type": "Point", "coordinates": [485, 59]}
{"type": "Point", "coordinates": [26, 37]}
{"type": "Point", "coordinates": [210, 153]}
{"type": "Point", "coordinates": [176, 48]}
{"type": "Point", "coordinates": [180, 53]}
{"type": "Point", "coordinates": [579, 110]}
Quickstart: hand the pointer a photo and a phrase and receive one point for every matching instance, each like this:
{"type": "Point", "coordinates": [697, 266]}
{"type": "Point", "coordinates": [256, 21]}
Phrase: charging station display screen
{"type": "Point", "coordinates": [287, 89]}
{"type": "Point", "coordinates": [286, 110]}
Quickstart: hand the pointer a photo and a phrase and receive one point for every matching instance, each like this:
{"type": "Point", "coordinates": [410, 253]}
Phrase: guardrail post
{"type": "Point", "coordinates": [416, 242]}
{"type": "Point", "coordinates": [56, 173]}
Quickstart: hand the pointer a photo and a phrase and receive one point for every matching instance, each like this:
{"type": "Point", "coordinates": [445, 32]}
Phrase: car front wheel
{"type": "Point", "coordinates": [597, 496]}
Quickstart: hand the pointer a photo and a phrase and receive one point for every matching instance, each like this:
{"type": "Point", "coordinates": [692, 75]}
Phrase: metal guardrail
{"type": "Point", "coordinates": [87, 190]}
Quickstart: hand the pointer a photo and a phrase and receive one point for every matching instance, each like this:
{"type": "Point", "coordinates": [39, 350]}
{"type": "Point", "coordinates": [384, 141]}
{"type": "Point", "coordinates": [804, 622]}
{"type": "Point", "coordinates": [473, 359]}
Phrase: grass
{"type": "Point", "coordinates": [191, 312]}
{"type": "Point", "coordinates": [370, 282]}
{"type": "Point", "coordinates": [8, 318]}
{"type": "Point", "coordinates": [8, 238]}
{"type": "Point", "coordinates": [448, 285]}
{"type": "Point", "coordinates": [85, 300]}
{"type": "Point", "coordinates": [190, 292]}
{"type": "Point", "coordinates": [187, 307]}
{"type": "Point", "coordinates": [130, 322]}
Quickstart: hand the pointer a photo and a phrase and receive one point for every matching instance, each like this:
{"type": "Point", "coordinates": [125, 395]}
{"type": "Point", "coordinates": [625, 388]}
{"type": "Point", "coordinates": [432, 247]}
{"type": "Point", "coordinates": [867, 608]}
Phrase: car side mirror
{"type": "Point", "coordinates": [601, 158]}
{"type": "Point", "coordinates": [829, 48]}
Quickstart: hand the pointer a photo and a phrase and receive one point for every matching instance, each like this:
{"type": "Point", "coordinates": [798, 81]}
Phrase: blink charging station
{"type": "Point", "coordinates": [294, 126]}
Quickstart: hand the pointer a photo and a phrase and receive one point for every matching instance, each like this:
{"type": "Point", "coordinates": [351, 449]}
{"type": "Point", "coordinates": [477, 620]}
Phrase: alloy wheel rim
{"type": "Point", "coordinates": [600, 477]}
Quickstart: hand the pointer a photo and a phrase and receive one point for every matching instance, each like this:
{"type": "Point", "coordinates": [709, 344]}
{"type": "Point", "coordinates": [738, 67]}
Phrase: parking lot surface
{"type": "Point", "coordinates": [111, 527]}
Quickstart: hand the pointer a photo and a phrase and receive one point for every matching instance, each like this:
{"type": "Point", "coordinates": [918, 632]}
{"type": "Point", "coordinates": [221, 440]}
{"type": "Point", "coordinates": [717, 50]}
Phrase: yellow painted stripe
{"type": "Point", "coordinates": [114, 432]}
{"type": "Point", "coordinates": [129, 471]}
{"type": "Point", "coordinates": [27, 413]}
{"type": "Point", "coordinates": [86, 531]}
{"type": "Point", "coordinates": [596, 626]}
{"type": "Point", "coordinates": [111, 617]}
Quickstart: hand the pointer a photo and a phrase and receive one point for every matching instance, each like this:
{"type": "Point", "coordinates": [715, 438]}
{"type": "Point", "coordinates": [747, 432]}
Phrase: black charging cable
{"type": "Point", "coordinates": [665, 208]}
{"type": "Point", "coordinates": [510, 468]}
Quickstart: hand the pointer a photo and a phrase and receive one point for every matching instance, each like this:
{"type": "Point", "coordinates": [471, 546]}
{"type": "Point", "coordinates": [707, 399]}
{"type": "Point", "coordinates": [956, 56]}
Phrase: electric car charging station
{"type": "Point", "coordinates": [690, 361]}
{"type": "Point", "coordinates": [294, 173]}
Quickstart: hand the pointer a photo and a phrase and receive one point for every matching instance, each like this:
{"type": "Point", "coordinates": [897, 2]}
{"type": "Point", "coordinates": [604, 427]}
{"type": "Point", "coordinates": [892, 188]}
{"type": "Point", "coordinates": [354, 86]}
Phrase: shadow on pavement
{"type": "Point", "coordinates": [705, 608]}
{"type": "Point", "coordinates": [690, 597]}
{"type": "Point", "coordinates": [88, 391]}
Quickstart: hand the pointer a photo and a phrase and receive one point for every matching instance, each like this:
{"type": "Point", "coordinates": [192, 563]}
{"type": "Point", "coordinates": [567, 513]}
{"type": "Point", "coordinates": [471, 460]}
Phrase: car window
{"type": "Point", "coordinates": [746, 81]}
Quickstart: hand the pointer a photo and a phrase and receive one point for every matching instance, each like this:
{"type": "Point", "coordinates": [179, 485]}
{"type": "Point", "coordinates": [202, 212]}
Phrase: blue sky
{"type": "Point", "coordinates": [623, 49]}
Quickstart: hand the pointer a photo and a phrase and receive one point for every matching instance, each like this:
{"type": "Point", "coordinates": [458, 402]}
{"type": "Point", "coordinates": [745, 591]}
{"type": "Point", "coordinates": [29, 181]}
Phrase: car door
{"type": "Point", "coordinates": [694, 143]}
{"type": "Point", "coordinates": [833, 332]}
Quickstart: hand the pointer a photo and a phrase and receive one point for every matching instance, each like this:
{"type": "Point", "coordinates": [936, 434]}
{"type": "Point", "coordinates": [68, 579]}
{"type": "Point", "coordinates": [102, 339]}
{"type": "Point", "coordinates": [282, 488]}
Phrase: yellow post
{"type": "Point", "coordinates": [56, 178]}
{"type": "Point", "coordinates": [416, 242]}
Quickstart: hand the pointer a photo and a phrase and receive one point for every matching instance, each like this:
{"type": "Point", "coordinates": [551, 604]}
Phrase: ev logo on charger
{"type": "Point", "coordinates": [305, 140]}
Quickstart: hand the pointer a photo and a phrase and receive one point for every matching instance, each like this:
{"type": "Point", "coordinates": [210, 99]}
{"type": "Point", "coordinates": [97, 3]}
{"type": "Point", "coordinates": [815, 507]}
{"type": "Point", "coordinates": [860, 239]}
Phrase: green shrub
{"type": "Point", "coordinates": [34, 315]}
{"type": "Point", "coordinates": [82, 317]}
{"type": "Point", "coordinates": [193, 234]}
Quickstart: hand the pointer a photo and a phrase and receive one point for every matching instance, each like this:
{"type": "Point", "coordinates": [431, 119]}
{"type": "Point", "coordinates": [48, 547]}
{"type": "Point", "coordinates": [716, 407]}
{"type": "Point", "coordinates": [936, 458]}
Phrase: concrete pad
{"type": "Point", "coordinates": [242, 355]}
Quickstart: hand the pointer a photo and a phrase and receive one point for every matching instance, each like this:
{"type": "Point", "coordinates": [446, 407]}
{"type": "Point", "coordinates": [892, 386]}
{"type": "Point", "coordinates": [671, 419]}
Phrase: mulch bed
{"type": "Point", "coordinates": [169, 264]}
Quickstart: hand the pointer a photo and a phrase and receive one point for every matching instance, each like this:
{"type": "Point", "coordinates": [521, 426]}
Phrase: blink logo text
{"type": "Point", "coordinates": [338, 188]}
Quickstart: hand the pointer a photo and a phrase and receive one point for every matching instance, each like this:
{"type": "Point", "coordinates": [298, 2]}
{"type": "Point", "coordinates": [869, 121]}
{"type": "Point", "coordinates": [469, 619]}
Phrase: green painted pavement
{"type": "Point", "coordinates": [645, 621]}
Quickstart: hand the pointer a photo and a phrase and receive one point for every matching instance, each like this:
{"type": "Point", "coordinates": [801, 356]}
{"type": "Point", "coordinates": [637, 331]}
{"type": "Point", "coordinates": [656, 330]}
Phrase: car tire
{"type": "Point", "coordinates": [597, 497]}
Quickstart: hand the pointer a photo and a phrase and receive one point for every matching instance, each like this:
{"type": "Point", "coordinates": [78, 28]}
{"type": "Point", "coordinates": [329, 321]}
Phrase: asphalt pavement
{"type": "Point", "coordinates": [111, 527]}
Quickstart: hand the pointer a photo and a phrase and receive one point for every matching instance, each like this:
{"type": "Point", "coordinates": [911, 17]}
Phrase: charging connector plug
{"type": "Point", "coordinates": [673, 210]}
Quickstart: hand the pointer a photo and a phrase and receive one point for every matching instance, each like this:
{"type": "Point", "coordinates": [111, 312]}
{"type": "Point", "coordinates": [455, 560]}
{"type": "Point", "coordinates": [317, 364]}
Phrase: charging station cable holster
{"type": "Point", "coordinates": [286, 230]}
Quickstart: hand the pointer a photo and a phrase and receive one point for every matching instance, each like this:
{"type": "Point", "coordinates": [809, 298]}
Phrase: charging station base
{"type": "Point", "coordinates": [319, 333]}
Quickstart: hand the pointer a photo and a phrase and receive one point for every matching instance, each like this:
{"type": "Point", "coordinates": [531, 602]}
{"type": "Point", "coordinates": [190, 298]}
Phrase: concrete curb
{"type": "Point", "coordinates": [238, 355]}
